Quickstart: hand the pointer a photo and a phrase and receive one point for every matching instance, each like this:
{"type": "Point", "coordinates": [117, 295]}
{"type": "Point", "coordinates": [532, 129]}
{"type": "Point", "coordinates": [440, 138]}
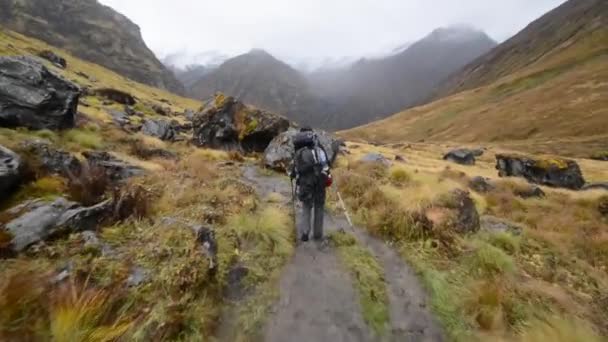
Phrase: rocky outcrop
{"type": "Point", "coordinates": [31, 96]}
{"type": "Point", "coordinates": [279, 153]}
{"type": "Point", "coordinates": [161, 129]}
{"type": "Point", "coordinates": [116, 95]}
{"type": "Point", "coordinates": [10, 169]}
{"type": "Point", "coordinates": [375, 158]}
{"type": "Point", "coordinates": [90, 31]}
{"type": "Point", "coordinates": [39, 220]}
{"type": "Point", "coordinates": [481, 184]}
{"type": "Point", "coordinates": [50, 159]}
{"type": "Point", "coordinates": [462, 156]}
{"type": "Point", "coordinates": [555, 172]}
{"type": "Point", "coordinates": [230, 124]}
{"type": "Point", "coordinates": [52, 57]}
{"type": "Point", "coordinates": [115, 169]}
{"type": "Point", "coordinates": [467, 218]}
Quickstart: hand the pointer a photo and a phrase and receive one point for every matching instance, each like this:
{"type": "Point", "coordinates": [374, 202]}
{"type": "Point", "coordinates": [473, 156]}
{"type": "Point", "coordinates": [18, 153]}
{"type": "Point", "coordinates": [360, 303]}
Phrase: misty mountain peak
{"type": "Point", "coordinates": [458, 33]}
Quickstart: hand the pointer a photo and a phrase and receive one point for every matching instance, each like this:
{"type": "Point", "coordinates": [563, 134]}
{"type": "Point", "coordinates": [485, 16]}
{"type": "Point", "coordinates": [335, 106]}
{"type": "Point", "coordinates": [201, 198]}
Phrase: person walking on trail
{"type": "Point", "coordinates": [311, 169]}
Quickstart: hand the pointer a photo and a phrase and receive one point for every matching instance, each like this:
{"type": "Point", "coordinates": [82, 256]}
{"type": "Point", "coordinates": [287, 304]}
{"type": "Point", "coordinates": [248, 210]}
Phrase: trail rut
{"type": "Point", "coordinates": [317, 298]}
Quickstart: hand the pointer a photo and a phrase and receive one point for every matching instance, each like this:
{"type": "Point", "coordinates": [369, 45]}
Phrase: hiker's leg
{"type": "Point", "coordinates": [319, 213]}
{"type": "Point", "coordinates": [306, 218]}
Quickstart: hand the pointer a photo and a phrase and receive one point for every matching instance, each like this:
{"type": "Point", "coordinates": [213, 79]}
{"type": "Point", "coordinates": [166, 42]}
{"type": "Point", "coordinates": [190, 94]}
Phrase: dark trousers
{"type": "Point", "coordinates": [313, 203]}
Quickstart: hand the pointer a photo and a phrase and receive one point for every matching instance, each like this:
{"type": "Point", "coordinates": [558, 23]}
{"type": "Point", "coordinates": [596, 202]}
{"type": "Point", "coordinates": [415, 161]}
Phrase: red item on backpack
{"type": "Point", "coordinates": [329, 181]}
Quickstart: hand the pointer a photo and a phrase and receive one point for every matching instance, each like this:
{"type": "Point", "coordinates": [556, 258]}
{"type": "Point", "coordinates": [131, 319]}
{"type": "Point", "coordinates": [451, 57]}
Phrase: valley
{"type": "Point", "coordinates": [469, 198]}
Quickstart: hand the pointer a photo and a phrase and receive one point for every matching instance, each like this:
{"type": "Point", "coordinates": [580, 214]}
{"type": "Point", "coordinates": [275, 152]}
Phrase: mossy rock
{"type": "Point", "coordinates": [555, 163]}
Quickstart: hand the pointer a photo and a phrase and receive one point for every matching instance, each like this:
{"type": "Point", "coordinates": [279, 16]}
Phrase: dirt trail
{"type": "Point", "coordinates": [318, 302]}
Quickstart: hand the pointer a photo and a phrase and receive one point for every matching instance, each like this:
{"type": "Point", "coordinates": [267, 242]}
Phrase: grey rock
{"type": "Point", "coordinates": [495, 224]}
{"type": "Point", "coordinates": [138, 277]}
{"type": "Point", "coordinates": [461, 156]}
{"type": "Point", "coordinates": [206, 237]}
{"type": "Point", "coordinates": [467, 220]}
{"type": "Point", "coordinates": [120, 118]}
{"type": "Point", "coordinates": [481, 184]}
{"type": "Point", "coordinates": [189, 114]}
{"type": "Point", "coordinates": [10, 170]}
{"type": "Point", "coordinates": [160, 110]}
{"type": "Point", "coordinates": [159, 128]}
{"type": "Point", "coordinates": [52, 57]}
{"type": "Point", "coordinates": [52, 160]}
{"type": "Point", "coordinates": [116, 95]}
{"type": "Point", "coordinates": [279, 153]}
{"type": "Point", "coordinates": [375, 158]}
{"type": "Point", "coordinates": [116, 169]}
{"type": "Point", "coordinates": [31, 96]}
{"type": "Point", "coordinates": [235, 289]}
{"type": "Point", "coordinates": [530, 192]}
{"type": "Point", "coordinates": [555, 172]}
{"type": "Point", "coordinates": [40, 220]}
{"type": "Point", "coordinates": [233, 126]}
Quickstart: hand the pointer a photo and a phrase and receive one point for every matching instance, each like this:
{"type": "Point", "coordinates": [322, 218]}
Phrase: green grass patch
{"type": "Point", "coordinates": [80, 138]}
{"type": "Point", "coordinates": [369, 280]}
{"type": "Point", "coordinates": [487, 260]}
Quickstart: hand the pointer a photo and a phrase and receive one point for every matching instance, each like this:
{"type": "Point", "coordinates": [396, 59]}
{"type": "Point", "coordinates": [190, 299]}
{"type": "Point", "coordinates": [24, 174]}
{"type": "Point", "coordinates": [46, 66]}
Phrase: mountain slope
{"type": "Point", "coordinates": [91, 31]}
{"type": "Point", "coordinates": [544, 38]}
{"type": "Point", "coordinates": [562, 96]}
{"type": "Point", "coordinates": [263, 81]}
{"type": "Point", "coordinates": [373, 89]}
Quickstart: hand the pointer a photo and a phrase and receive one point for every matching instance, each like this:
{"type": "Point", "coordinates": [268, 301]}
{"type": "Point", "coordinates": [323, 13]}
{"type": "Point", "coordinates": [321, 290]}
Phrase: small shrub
{"type": "Point", "coordinates": [488, 260]}
{"type": "Point", "coordinates": [90, 186]}
{"type": "Point", "coordinates": [46, 134]}
{"type": "Point", "coordinates": [504, 240]}
{"type": "Point", "coordinates": [400, 176]}
{"type": "Point", "coordinates": [236, 156]}
{"type": "Point", "coordinates": [133, 201]}
{"type": "Point", "coordinates": [84, 139]}
{"type": "Point", "coordinates": [271, 227]}
{"type": "Point", "coordinates": [560, 330]}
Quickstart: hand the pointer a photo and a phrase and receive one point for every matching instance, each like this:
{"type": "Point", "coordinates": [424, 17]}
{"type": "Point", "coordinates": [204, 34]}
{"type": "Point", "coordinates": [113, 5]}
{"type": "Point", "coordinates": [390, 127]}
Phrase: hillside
{"type": "Point", "coordinates": [265, 82]}
{"type": "Point", "coordinates": [373, 89]}
{"type": "Point", "coordinates": [93, 32]}
{"type": "Point", "coordinates": [560, 97]}
{"type": "Point", "coordinates": [542, 41]}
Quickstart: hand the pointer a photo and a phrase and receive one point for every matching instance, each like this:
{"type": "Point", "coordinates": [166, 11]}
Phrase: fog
{"type": "Point", "coordinates": [313, 31]}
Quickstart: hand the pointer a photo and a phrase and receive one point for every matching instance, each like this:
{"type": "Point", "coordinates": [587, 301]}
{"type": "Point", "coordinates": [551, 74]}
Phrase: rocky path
{"type": "Point", "coordinates": [318, 302]}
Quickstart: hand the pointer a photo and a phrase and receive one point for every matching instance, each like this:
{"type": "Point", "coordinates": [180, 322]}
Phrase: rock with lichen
{"type": "Point", "coordinates": [555, 172]}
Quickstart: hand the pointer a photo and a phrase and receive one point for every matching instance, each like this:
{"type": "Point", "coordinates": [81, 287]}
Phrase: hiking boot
{"type": "Point", "coordinates": [304, 237]}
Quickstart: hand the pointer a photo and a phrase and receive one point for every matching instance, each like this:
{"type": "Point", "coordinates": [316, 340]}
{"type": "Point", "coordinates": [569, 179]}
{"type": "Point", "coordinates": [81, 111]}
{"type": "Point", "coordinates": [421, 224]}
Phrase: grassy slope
{"type": "Point", "coordinates": [181, 300]}
{"type": "Point", "coordinates": [546, 284]}
{"type": "Point", "coordinates": [560, 99]}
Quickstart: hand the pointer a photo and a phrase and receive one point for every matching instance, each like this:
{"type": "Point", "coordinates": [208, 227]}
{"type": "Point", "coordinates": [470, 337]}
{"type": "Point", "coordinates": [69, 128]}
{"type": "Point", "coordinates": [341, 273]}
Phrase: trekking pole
{"type": "Point", "coordinates": [344, 208]}
{"type": "Point", "coordinates": [293, 204]}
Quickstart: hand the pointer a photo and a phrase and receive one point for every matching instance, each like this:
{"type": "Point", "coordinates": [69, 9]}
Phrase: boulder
{"type": "Point", "coordinates": [116, 95]}
{"type": "Point", "coordinates": [467, 217]}
{"type": "Point", "coordinates": [529, 192]}
{"type": "Point", "coordinates": [159, 128]}
{"type": "Point", "coordinates": [10, 170]}
{"type": "Point", "coordinates": [120, 118]}
{"type": "Point", "coordinates": [52, 57]}
{"type": "Point", "coordinates": [461, 156]}
{"type": "Point", "coordinates": [555, 172]}
{"type": "Point", "coordinates": [31, 96]}
{"type": "Point", "coordinates": [116, 169]}
{"type": "Point", "coordinates": [495, 224]}
{"type": "Point", "coordinates": [160, 110]}
{"type": "Point", "coordinates": [375, 158]}
{"type": "Point", "coordinates": [138, 277]}
{"type": "Point", "coordinates": [400, 159]}
{"type": "Point", "coordinates": [40, 220]}
{"type": "Point", "coordinates": [52, 160]}
{"type": "Point", "coordinates": [481, 184]}
{"type": "Point", "coordinates": [280, 151]}
{"type": "Point", "coordinates": [229, 124]}
{"type": "Point", "coordinates": [595, 186]}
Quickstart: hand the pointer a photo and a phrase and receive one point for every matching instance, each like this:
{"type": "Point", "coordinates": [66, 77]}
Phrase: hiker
{"type": "Point", "coordinates": [311, 169]}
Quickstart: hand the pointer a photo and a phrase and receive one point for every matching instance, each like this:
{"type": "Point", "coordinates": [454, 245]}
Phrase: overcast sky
{"type": "Point", "coordinates": [302, 29]}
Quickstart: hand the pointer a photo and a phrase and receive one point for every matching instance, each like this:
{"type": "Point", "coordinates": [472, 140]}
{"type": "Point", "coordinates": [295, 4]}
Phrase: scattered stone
{"type": "Point", "coordinates": [52, 160]}
{"type": "Point", "coordinates": [279, 153]}
{"type": "Point", "coordinates": [595, 186]}
{"type": "Point", "coordinates": [495, 224]}
{"type": "Point", "coordinates": [553, 172]}
{"type": "Point", "coordinates": [206, 237]}
{"type": "Point", "coordinates": [116, 95]}
{"type": "Point", "coordinates": [601, 156]}
{"type": "Point", "coordinates": [138, 277]}
{"type": "Point", "coordinates": [120, 118]}
{"type": "Point", "coordinates": [159, 128]}
{"type": "Point", "coordinates": [467, 219]}
{"type": "Point", "coordinates": [231, 125]}
{"type": "Point", "coordinates": [39, 220]}
{"type": "Point", "coordinates": [189, 114]}
{"type": "Point", "coordinates": [477, 152]}
{"type": "Point", "coordinates": [83, 75]}
{"type": "Point", "coordinates": [461, 156]}
{"type": "Point", "coordinates": [164, 111]}
{"type": "Point", "coordinates": [235, 289]}
{"type": "Point", "coordinates": [375, 158]}
{"type": "Point", "coordinates": [481, 184]}
{"type": "Point", "coordinates": [10, 170]}
{"type": "Point", "coordinates": [52, 57]}
{"type": "Point", "coordinates": [400, 159]}
{"type": "Point", "coordinates": [116, 169]}
{"type": "Point", "coordinates": [31, 96]}
{"type": "Point", "coordinates": [148, 153]}
{"type": "Point", "coordinates": [530, 192]}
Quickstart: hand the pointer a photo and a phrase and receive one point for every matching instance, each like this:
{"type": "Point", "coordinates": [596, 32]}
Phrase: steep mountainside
{"type": "Point", "coordinates": [189, 75]}
{"type": "Point", "coordinates": [265, 82]}
{"type": "Point", "coordinates": [558, 91]}
{"type": "Point", "coordinates": [544, 38]}
{"type": "Point", "coordinates": [373, 89]}
{"type": "Point", "coordinates": [90, 31]}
